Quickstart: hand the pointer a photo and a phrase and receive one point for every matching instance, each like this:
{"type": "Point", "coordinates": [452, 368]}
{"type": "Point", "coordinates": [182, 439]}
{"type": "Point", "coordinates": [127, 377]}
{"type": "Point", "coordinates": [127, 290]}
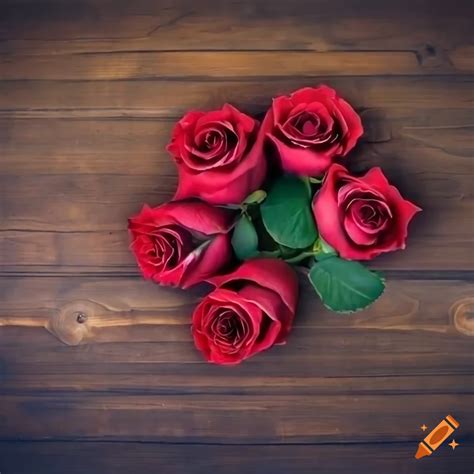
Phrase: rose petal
{"type": "Point", "coordinates": [273, 306]}
{"type": "Point", "coordinates": [217, 254]}
{"type": "Point", "coordinates": [354, 126]}
{"type": "Point", "coordinates": [268, 273]}
{"type": "Point", "coordinates": [375, 179]}
{"type": "Point", "coordinates": [356, 187]}
{"type": "Point", "coordinates": [301, 161]}
{"type": "Point", "coordinates": [247, 123]}
{"type": "Point", "coordinates": [167, 229]}
{"type": "Point", "coordinates": [330, 217]}
{"type": "Point", "coordinates": [327, 213]}
{"type": "Point", "coordinates": [187, 122]}
{"type": "Point", "coordinates": [320, 136]}
{"type": "Point", "coordinates": [356, 234]}
{"type": "Point", "coordinates": [404, 212]}
{"type": "Point", "coordinates": [206, 173]}
{"type": "Point", "coordinates": [197, 216]}
{"type": "Point", "coordinates": [228, 186]}
{"type": "Point", "coordinates": [278, 112]}
{"type": "Point", "coordinates": [313, 94]}
{"type": "Point", "coordinates": [202, 319]}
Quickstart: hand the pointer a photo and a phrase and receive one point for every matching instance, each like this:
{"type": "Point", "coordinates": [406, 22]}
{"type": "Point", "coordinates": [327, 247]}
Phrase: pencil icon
{"type": "Point", "coordinates": [436, 438]}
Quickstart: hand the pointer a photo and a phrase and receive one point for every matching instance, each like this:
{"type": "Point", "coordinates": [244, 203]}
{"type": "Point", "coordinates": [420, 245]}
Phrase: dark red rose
{"type": "Point", "coordinates": [250, 310]}
{"type": "Point", "coordinates": [310, 128]}
{"type": "Point", "coordinates": [181, 243]}
{"type": "Point", "coordinates": [218, 157]}
{"type": "Point", "coordinates": [361, 217]}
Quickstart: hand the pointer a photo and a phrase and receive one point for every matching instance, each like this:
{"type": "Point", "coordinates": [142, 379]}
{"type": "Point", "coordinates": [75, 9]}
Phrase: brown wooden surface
{"type": "Point", "coordinates": [89, 91]}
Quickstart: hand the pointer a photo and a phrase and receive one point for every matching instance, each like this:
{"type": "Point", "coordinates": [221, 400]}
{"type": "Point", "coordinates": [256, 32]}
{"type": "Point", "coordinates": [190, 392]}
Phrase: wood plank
{"type": "Point", "coordinates": [225, 64]}
{"type": "Point", "coordinates": [150, 458]}
{"type": "Point", "coordinates": [133, 327]}
{"type": "Point", "coordinates": [56, 27]}
{"type": "Point", "coordinates": [171, 99]}
{"type": "Point", "coordinates": [81, 222]}
{"type": "Point", "coordinates": [103, 146]}
{"type": "Point", "coordinates": [463, 58]}
{"type": "Point", "coordinates": [215, 64]}
{"type": "Point", "coordinates": [402, 102]}
{"type": "Point", "coordinates": [93, 186]}
{"type": "Point", "coordinates": [207, 419]}
{"type": "Point", "coordinates": [87, 203]}
{"type": "Point", "coordinates": [85, 146]}
{"type": "Point", "coordinates": [393, 350]}
{"type": "Point", "coordinates": [198, 380]}
{"type": "Point", "coordinates": [108, 250]}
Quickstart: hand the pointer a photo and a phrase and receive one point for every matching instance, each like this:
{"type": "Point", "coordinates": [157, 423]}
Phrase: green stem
{"type": "Point", "coordinates": [269, 253]}
{"type": "Point", "coordinates": [298, 258]}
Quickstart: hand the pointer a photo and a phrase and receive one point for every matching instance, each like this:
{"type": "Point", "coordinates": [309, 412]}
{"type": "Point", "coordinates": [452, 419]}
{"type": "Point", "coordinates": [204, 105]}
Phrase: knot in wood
{"type": "Point", "coordinates": [462, 314]}
{"type": "Point", "coordinates": [70, 324]}
{"type": "Point", "coordinates": [81, 317]}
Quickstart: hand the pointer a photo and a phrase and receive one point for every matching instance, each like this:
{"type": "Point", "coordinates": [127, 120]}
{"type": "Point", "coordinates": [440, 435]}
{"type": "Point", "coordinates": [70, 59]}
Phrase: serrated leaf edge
{"type": "Point", "coordinates": [350, 311]}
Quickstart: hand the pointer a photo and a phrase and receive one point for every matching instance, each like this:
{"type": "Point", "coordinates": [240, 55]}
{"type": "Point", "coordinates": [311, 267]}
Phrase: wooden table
{"type": "Point", "coordinates": [89, 91]}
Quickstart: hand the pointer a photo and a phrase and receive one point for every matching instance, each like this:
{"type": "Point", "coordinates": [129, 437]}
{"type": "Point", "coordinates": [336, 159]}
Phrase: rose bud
{"type": "Point", "coordinates": [310, 128]}
{"type": "Point", "coordinates": [251, 309]}
{"type": "Point", "coordinates": [181, 243]}
{"type": "Point", "coordinates": [218, 157]}
{"type": "Point", "coordinates": [361, 217]}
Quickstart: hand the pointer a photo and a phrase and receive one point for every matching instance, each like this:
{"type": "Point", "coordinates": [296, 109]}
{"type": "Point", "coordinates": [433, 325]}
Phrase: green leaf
{"type": "Point", "coordinates": [287, 252]}
{"type": "Point", "coordinates": [265, 241]}
{"type": "Point", "coordinates": [287, 215]}
{"type": "Point", "coordinates": [245, 239]}
{"type": "Point", "coordinates": [256, 197]}
{"type": "Point", "coordinates": [345, 286]}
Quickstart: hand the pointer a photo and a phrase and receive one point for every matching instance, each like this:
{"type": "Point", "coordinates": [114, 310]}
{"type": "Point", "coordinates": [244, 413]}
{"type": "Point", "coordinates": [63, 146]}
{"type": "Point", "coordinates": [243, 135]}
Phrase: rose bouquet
{"type": "Point", "coordinates": [255, 200]}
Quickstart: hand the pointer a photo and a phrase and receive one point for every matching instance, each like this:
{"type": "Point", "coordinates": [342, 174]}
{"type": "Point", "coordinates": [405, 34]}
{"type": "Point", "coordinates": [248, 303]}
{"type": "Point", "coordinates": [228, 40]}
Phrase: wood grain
{"type": "Point", "coordinates": [74, 236]}
{"type": "Point", "coordinates": [149, 458]}
{"type": "Point", "coordinates": [89, 92]}
{"type": "Point", "coordinates": [216, 64]}
{"type": "Point", "coordinates": [100, 146]}
{"type": "Point", "coordinates": [207, 418]}
{"type": "Point", "coordinates": [53, 27]}
{"type": "Point", "coordinates": [172, 98]}
{"type": "Point", "coordinates": [412, 316]}
{"type": "Point", "coordinates": [96, 187]}
{"type": "Point", "coordinates": [200, 379]}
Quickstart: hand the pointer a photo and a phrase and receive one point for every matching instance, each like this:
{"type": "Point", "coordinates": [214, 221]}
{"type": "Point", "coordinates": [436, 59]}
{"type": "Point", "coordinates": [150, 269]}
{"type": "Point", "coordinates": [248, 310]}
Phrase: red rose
{"type": "Point", "coordinates": [310, 128]}
{"type": "Point", "coordinates": [217, 157]}
{"type": "Point", "coordinates": [361, 217]}
{"type": "Point", "coordinates": [181, 243]}
{"type": "Point", "coordinates": [250, 310]}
